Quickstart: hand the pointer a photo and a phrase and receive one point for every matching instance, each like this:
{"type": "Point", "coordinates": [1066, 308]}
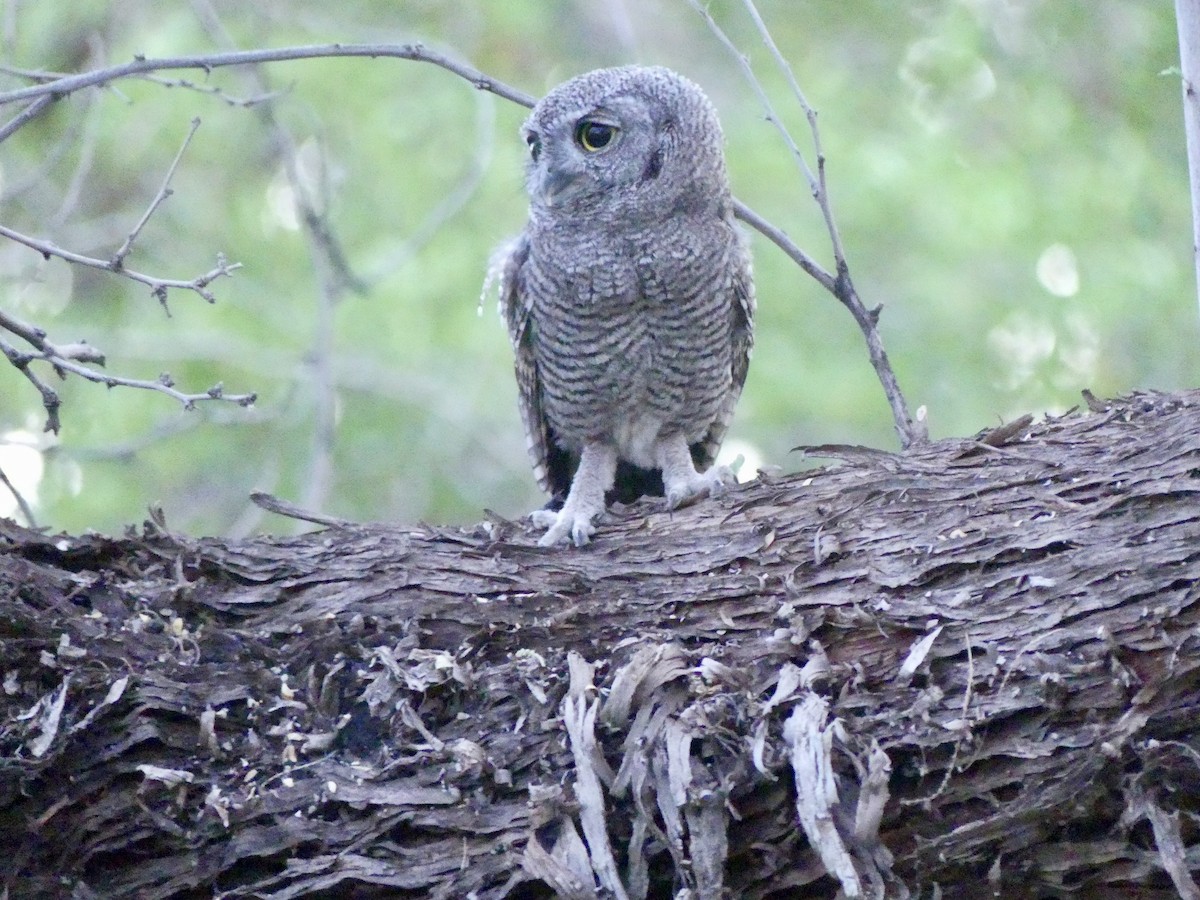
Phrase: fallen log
{"type": "Point", "coordinates": [969, 669]}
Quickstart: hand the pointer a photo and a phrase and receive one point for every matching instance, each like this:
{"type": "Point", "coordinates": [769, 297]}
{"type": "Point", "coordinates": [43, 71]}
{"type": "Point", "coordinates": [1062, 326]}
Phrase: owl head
{"type": "Point", "coordinates": [627, 144]}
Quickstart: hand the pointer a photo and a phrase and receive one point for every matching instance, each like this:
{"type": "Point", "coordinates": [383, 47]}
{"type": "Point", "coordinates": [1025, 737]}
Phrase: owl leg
{"type": "Point", "coordinates": [585, 500]}
{"type": "Point", "coordinates": [681, 482]}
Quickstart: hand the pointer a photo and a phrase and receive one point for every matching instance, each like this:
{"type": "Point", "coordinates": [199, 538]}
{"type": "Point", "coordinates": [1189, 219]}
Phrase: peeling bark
{"type": "Point", "coordinates": [978, 660]}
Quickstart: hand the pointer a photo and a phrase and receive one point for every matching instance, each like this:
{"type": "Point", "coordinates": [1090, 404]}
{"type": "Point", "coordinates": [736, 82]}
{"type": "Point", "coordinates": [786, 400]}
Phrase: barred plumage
{"type": "Point", "coordinates": [628, 297]}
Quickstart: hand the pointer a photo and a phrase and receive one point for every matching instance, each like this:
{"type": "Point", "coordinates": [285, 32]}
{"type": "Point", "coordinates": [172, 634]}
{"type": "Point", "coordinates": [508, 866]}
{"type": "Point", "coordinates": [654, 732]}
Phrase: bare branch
{"type": "Point", "coordinates": [86, 157]}
{"type": "Point", "coordinates": [744, 62]}
{"type": "Point", "coordinates": [274, 504]}
{"type": "Point", "coordinates": [38, 75]}
{"type": "Point", "coordinates": [60, 85]}
{"type": "Point", "coordinates": [22, 503]}
{"type": "Point", "coordinates": [821, 190]}
{"type": "Point", "coordinates": [162, 430]}
{"type": "Point", "coordinates": [911, 431]}
{"type": "Point", "coordinates": [27, 115]}
{"type": "Point", "coordinates": [50, 399]}
{"type": "Point", "coordinates": [312, 210]}
{"type": "Point", "coordinates": [140, 65]}
{"type": "Point", "coordinates": [116, 264]}
{"type": "Point", "coordinates": [213, 91]}
{"type": "Point", "coordinates": [118, 259]}
{"type": "Point", "coordinates": [69, 358]}
{"type": "Point", "coordinates": [784, 243]}
{"type": "Point", "coordinates": [158, 286]}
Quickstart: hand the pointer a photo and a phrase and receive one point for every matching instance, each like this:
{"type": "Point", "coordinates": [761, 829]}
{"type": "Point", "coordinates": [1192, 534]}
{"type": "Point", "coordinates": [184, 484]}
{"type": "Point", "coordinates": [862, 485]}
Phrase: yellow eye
{"type": "Point", "coordinates": [592, 135]}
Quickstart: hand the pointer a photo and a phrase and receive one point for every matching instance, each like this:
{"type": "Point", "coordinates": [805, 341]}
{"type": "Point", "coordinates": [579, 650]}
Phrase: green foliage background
{"type": "Point", "coordinates": [967, 140]}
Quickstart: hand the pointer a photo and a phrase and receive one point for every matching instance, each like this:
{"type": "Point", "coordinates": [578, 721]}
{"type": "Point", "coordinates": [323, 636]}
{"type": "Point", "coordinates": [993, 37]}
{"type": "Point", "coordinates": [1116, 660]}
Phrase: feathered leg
{"type": "Point", "coordinates": [585, 501]}
{"type": "Point", "coordinates": [681, 482]}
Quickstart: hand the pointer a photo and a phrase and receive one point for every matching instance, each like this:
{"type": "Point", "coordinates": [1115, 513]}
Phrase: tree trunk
{"type": "Point", "coordinates": [970, 668]}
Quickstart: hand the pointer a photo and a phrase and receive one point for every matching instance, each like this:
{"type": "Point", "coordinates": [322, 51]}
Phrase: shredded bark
{"type": "Point", "coordinates": [969, 669]}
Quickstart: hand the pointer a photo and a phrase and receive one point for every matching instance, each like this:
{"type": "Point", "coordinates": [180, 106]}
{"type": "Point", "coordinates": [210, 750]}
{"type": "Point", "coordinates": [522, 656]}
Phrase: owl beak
{"type": "Point", "coordinates": [559, 186]}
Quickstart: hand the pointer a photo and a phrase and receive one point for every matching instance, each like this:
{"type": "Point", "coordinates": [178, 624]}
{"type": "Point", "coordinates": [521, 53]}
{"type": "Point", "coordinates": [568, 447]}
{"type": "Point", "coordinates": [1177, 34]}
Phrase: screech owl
{"type": "Point", "coordinates": [628, 297]}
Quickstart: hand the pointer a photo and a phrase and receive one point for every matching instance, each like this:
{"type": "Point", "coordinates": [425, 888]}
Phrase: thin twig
{"type": "Point", "coordinates": [69, 204]}
{"type": "Point", "coordinates": [89, 138]}
{"type": "Point", "coordinates": [118, 258]}
{"type": "Point", "coordinates": [820, 188]}
{"type": "Point", "coordinates": [743, 62]}
{"type": "Point", "coordinates": [909, 430]}
{"type": "Point", "coordinates": [283, 508]}
{"type": "Point", "coordinates": [27, 115]}
{"type": "Point", "coordinates": [213, 91]}
{"type": "Point", "coordinates": [314, 211]}
{"type": "Point", "coordinates": [784, 243]}
{"type": "Point", "coordinates": [158, 286]}
{"type": "Point", "coordinates": [30, 74]}
{"type": "Point", "coordinates": [69, 359]}
{"type": "Point", "coordinates": [165, 429]}
{"type": "Point", "coordinates": [60, 85]}
{"type": "Point", "coordinates": [50, 399]}
{"type": "Point", "coordinates": [22, 504]}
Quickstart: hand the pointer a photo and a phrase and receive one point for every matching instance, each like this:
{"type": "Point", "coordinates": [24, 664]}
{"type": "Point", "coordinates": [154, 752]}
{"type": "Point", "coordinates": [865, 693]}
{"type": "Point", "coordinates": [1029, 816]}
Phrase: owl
{"type": "Point", "coordinates": [628, 297]}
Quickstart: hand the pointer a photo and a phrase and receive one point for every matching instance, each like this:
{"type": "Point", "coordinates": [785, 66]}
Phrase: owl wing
{"type": "Point", "coordinates": [552, 467]}
{"type": "Point", "coordinates": [742, 340]}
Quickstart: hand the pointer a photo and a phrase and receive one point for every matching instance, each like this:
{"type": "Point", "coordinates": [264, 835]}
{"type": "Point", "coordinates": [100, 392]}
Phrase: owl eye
{"type": "Point", "coordinates": [592, 135]}
{"type": "Point", "coordinates": [535, 145]}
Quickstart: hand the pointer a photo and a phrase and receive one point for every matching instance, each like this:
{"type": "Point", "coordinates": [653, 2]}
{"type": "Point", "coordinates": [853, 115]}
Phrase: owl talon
{"type": "Point", "coordinates": [689, 489]}
{"type": "Point", "coordinates": [585, 500]}
{"type": "Point", "coordinates": [579, 527]}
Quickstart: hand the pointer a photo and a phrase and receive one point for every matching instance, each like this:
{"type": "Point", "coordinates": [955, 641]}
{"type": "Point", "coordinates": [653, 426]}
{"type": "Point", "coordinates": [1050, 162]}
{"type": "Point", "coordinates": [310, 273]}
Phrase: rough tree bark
{"type": "Point", "coordinates": [969, 668]}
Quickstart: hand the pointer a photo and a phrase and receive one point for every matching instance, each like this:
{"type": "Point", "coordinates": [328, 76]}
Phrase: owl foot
{"type": "Point", "coordinates": [689, 487]}
{"type": "Point", "coordinates": [576, 525]}
{"type": "Point", "coordinates": [682, 484]}
{"type": "Point", "coordinates": [585, 501]}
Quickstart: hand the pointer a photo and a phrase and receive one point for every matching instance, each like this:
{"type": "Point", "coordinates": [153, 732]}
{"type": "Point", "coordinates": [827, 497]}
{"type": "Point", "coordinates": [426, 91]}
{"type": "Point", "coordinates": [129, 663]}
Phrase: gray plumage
{"type": "Point", "coordinates": [628, 297]}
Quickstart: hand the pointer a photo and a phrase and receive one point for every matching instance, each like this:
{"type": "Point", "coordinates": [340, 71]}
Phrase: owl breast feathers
{"type": "Point", "coordinates": [628, 297]}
